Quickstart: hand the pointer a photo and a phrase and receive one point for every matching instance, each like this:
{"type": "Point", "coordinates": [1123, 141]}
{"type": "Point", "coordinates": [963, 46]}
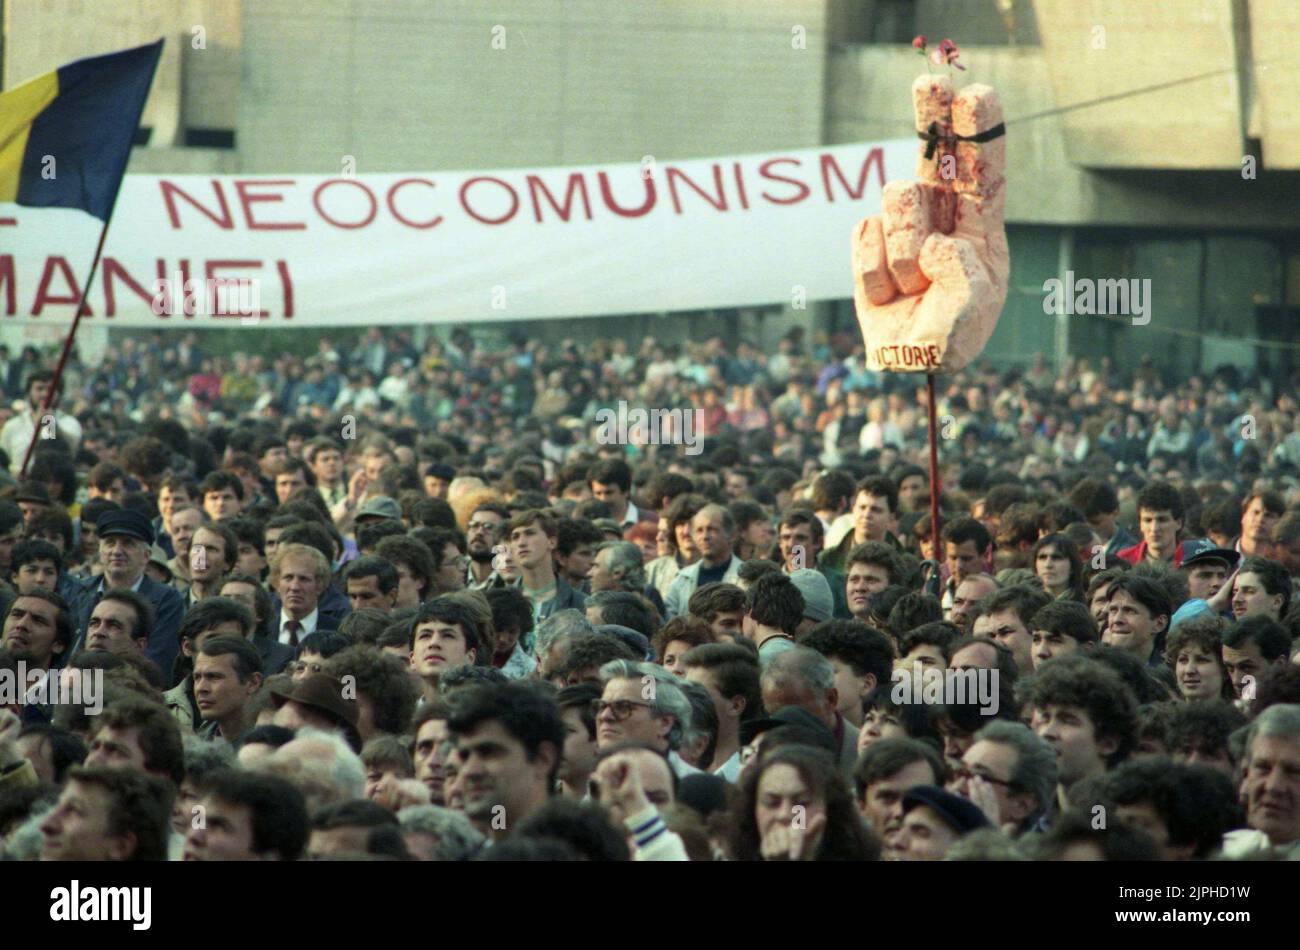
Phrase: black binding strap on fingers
{"type": "Point", "coordinates": [933, 136]}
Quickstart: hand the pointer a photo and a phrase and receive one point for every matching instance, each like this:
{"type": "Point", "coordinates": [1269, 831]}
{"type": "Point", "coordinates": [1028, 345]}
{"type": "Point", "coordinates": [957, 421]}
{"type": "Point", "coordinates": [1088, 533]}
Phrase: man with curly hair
{"type": "Point", "coordinates": [1084, 710]}
{"type": "Point", "coordinates": [386, 692]}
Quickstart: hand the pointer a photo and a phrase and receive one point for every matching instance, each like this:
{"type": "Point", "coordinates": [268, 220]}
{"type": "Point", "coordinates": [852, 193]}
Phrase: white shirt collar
{"type": "Point", "coordinates": [103, 584]}
{"type": "Point", "coordinates": [730, 769]}
{"type": "Point", "coordinates": [308, 624]}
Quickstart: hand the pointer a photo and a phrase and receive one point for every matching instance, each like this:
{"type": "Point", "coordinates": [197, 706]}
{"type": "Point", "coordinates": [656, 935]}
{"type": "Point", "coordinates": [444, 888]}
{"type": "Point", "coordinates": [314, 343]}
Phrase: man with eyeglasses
{"type": "Point", "coordinates": [641, 702]}
{"type": "Point", "coordinates": [314, 650]}
{"type": "Point", "coordinates": [482, 534]}
{"type": "Point", "coordinates": [1010, 773]}
{"type": "Point", "coordinates": [301, 669]}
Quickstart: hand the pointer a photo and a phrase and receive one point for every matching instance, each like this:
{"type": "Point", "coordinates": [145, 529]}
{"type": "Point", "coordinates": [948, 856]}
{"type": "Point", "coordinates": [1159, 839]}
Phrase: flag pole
{"type": "Point", "coordinates": [67, 344]}
{"type": "Point", "coordinates": [934, 469]}
{"type": "Point", "coordinates": [51, 396]}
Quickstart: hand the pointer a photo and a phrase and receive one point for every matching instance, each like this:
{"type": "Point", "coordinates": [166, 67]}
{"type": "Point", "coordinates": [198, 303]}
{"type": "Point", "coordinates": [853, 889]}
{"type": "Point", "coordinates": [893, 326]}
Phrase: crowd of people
{"type": "Point", "coordinates": [400, 601]}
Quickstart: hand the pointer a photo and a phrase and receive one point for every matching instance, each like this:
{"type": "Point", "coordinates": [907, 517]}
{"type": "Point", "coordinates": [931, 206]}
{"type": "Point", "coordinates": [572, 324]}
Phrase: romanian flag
{"type": "Point", "coordinates": [65, 137]}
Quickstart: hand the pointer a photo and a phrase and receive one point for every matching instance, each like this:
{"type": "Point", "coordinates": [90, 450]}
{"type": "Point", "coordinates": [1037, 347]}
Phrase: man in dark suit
{"type": "Point", "coordinates": [125, 538]}
{"type": "Point", "coordinates": [330, 603]}
{"type": "Point", "coordinates": [300, 576]}
{"type": "Point", "coordinates": [334, 608]}
{"type": "Point", "coordinates": [276, 656]}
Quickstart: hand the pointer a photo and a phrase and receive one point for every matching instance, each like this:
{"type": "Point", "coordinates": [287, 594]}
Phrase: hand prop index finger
{"type": "Point", "coordinates": [936, 165]}
{"type": "Point", "coordinates": [932, 106]}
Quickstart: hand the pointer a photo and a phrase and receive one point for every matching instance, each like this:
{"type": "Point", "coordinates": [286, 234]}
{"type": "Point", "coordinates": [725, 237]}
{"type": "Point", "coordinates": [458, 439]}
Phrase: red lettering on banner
{"type": "Point", "coordinates": [645, 207]}
{"type": "Point", "coordinates": [7, 282]}
{"type": "Point", "coordinates": [391, 199]}
{"type": "Point", "coordinates": [160, 268]}
{"type": "Point", "coordinates": [740, 185]}
{"type": "Point", "coordinates": [464, 202]}
{"type": "Point", "coordinates": [576, 183]}
{"type": "Point", "coordinates": [932, 355]}
{"type": "Point", "coordinates": [213, 299]}
{"type": "Point", "coordinates": [43, 296]}
{"type": "Point", "coordinates": [804, 190]}
{"type": "Point", "coordinates": [170, 193]}
{"type": "Point", "coordinates": [169, 306]}
{"type": "Point", "coordinates": [287, 283]}
{"type": "Point", "coordinates": [246, 200]}
{"type": "Point", "coordinates": [874, 157]}
{"type": "Point", "coordinates": [676, 173]}
{"type": "Point", "coordinates": [113, 269]}
{"type": "Point", "coordinates": [315, 200]}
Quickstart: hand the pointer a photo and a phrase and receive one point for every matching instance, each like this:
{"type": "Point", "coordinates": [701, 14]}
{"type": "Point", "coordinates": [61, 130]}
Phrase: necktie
{"type": "Point", "coordinates": [293, 626]}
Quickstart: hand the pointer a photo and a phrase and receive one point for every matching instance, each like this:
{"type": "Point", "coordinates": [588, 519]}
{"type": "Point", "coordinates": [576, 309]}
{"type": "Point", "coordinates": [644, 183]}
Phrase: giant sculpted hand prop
{"type": "Point", "coordinates": [930, 271]}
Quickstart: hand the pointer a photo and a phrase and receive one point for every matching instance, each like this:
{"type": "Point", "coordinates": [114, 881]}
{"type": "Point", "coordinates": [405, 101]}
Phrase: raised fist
{"type": "Point", "coordinates": [930, 271]}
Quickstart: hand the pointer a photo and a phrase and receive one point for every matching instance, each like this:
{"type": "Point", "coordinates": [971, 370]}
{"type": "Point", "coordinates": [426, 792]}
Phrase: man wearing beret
{"type": "Point", "coordinates": [125, 540]}
{"type": "Point", "coordinates": [933, 820]}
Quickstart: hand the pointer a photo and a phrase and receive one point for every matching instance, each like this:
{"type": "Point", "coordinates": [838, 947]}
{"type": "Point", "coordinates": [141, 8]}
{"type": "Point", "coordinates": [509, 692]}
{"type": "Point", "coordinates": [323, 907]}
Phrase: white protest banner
{"type": "Point", "coordinates": [455, 247]}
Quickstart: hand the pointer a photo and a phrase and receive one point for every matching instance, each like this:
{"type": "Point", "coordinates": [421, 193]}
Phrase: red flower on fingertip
{"type": "Point", "coordinates": [919, 43]}
{"type": "Point", "coordinates": [946, 53]}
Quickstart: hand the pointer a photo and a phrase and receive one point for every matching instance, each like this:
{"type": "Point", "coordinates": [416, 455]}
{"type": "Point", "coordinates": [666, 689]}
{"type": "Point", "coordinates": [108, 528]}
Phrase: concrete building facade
{"type": "Point", "coordinates": [1181, 172]}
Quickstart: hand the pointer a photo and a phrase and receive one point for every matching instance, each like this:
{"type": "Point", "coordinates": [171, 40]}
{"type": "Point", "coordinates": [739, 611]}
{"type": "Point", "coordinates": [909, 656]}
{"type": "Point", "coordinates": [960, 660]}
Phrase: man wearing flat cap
{"type": "Point", "coordinates": [1207, 569]}
{"type": "Point", "coordinates": [125, 542]}
{"type": "Point", "coordinates": [933, 820]}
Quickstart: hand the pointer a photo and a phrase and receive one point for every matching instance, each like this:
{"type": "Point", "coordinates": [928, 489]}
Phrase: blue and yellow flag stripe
{"type": "Point", "coordinates": [65, 137]}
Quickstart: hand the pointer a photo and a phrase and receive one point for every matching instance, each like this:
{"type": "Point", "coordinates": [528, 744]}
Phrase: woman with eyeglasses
{"type": "Point", "coordinates": [796, 806]}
